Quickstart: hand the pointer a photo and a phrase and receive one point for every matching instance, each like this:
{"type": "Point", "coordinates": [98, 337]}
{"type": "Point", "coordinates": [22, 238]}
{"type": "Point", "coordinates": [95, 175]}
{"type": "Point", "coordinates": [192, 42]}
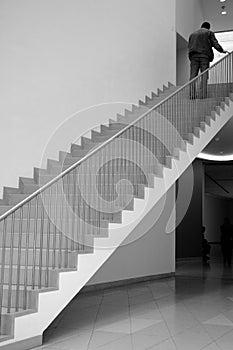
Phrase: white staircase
{"type": "Point", "coordinates": [56, 234]}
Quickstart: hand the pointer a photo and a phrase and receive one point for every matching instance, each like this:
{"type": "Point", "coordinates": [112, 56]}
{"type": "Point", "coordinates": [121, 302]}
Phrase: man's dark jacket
{"type": "Point", "coordinates": [201, 43]}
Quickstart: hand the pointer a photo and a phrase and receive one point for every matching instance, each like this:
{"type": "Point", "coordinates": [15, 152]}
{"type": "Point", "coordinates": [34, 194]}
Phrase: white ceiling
{"type": "Point", "coordinates": [212, 13]}
{"type": "Point", "coordinates": [222, 144]}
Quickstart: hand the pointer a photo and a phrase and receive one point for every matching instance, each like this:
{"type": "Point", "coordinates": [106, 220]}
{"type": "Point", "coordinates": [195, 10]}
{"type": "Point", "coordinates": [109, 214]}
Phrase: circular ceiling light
{"type": "Point", "coordinates": [214, 157]}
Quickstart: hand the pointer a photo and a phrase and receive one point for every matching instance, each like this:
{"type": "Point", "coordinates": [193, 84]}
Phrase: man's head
{"type": "Point", "coordinates": [205, 25]}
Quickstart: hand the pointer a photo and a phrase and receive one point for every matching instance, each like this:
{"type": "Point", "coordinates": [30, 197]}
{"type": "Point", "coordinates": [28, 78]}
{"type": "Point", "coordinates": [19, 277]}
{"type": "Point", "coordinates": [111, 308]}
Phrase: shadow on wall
{"type": "Point", "coordinates": [182, 62]}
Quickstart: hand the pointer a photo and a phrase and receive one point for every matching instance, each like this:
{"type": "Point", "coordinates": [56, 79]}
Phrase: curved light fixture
{"type": "Point", "coordinates": [214, 157]}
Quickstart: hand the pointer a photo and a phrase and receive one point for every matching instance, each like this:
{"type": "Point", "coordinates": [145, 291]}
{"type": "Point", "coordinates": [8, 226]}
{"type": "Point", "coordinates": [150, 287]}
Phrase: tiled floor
{"type": "Point", "coordinates": [191, 311]}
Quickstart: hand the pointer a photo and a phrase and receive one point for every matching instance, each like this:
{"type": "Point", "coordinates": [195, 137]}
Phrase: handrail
{"type": "Point", "coordinates": [66, 171]}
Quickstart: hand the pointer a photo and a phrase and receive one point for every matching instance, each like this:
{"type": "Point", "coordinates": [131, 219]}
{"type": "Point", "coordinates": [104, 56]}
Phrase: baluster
{"type": "Point", "coordinates": [27, 247]}
{"type": "Point", "coordinates": [40, 253]}
{"type": "Point", "coordinates": [67, 226]}
{"type": "Point", "coordinates": [49, 217]}
{"type": "Point", "coordinates": [11, 262]}
{"type": "Point", "coordinates": [56, 204]}
{"type": "Point", "coordinates": [61, 226]}
{"type": "Point", "coordinates": [19, 262]}
{"type": "Point", "coordinates": [3, 248]}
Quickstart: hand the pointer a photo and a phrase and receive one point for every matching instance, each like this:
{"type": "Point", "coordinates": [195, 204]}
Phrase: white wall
{"type": "Point", "coordinates": [58, 57]}
{"type": "Point", "coordinates": [189, 16]}
{"type": "Point", "coordinates": [145, 252]}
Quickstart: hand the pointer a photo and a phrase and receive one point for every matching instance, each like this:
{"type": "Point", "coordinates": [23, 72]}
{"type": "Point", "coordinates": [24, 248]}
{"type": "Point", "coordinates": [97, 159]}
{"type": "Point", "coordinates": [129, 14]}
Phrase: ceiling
{"type": "Point", "coordinates": [212, 13]}
{"type": "Point", "coordinates": [222, 144]}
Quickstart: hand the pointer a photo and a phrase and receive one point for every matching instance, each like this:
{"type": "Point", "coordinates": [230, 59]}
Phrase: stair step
{"type": "Point", "coordinates": [4, 208]}
{"type": "Point", "coordinates": [31, 276]}
{"type": "Point", "coordinates": [4, 337]}
{"type": "Point", "coordinates": [105, 130]}
{"type": "Point", "coordinates": [78, 151]}
{"type": "Point", "coordinates": [40, 256]}
{"type": "Point", "coordinates": [29, 189]}
{"type": "Point", "coordinates": [14, 198]}
{"type": "Point", "coordinates": [49, 241]}
{"type": "Point", "coordinates": [18, 313]}
{"type": "Point", "coordinates": [115, 125]}
{"type": "Point", "coordinates": [18, 297]}
{"type": "Point", "coordinates": [9, 190]}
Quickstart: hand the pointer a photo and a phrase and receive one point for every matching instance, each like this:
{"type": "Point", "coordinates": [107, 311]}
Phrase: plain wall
{"type": "Point", "coordinates": [59, 57]}
{"type": "Point", "coordinates": [189, 16]}
{"type": "Point", "coordinates": [215, 210]}
{"type": "Point", "coordinates": [182, 61]}
{"type": "Point", "coordinates": [188, 232]}
{"type": "Point", "coordinates": [150, 252]}
{"type": "Point", "coordinates": [231, 210]}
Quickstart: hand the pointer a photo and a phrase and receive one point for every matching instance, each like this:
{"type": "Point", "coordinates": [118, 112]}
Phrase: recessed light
{"type": "Point", "coordinates": [221, 152]}
{"type": "Point", "coordinates": [224, 12]}
{"type": "Point", "coordinates": [217, 139]}
{"type": "Point", "coordinates": [222, 0]}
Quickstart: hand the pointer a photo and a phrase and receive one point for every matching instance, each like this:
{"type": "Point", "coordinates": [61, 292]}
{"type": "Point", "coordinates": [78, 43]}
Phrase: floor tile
{"type": "Point", "coordinates": [79, 342]}
{"type": "Point", "coordinates": [160, 330]}
{"type": "Point", "coordinates": [212, 346]}
{"type": "Point", "coordinates": [143, 342]}
{"type": "Point", "coordinates": [165, 345]}
{"type": "Point", "coordinates": [61, 334]}
{"type": "Point", "coordinates": [150, 315]}
{"type": "Point", "coordinates": [216, 332]}
{"type": "Point", "coordinates": [192, 339]}
{"type": "Point", "coordinates": [120, 344]}
{"type": "Point", "coordinates": [117, 327]}
{"type": "Point", "coordinates": [99, 339]}
{"type": "Point", "coordinates": [195, 307]}
{"type": "Point", "coordinates": [226, 341]}
{"type": "Point", "coordinates": [139, 324]}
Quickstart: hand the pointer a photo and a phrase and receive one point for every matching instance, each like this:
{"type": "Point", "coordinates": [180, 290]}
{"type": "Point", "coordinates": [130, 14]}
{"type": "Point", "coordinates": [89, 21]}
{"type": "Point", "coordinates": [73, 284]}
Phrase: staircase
{"type": "Point", "coordinates": [59, 227]}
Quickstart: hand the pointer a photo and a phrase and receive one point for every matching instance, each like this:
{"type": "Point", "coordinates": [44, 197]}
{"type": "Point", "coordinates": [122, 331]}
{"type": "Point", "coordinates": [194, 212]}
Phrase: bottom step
{"type": "Point", "coordinates": [5, 337]}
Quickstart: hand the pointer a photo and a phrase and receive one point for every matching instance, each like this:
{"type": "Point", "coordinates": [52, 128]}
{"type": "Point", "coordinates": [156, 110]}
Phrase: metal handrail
{"type": "Point", "coordinates": [66, 171]}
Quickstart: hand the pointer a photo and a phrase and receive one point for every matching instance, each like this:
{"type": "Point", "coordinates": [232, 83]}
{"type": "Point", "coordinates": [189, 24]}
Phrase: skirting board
{"type": "Point", "coordinates": [122, 283]}
{"type": "Point", "coordinates": [26, 344]}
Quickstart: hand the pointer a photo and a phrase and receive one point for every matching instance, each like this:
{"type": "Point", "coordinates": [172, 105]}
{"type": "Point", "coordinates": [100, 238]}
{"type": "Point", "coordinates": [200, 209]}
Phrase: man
{"type": "Point", "coordinates": [201, 54]}
{"type": "Point", "coordinates": [205, 247]}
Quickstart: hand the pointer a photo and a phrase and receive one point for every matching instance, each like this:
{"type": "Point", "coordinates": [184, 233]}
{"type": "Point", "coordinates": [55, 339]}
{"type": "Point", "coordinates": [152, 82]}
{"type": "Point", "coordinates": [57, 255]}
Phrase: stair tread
{"type": "Point", "coordinates": [4, 337]}
{"type": "Point", "coordinates": [29, 288]}
{"type": "Point", "coordinates": [20, 311]}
